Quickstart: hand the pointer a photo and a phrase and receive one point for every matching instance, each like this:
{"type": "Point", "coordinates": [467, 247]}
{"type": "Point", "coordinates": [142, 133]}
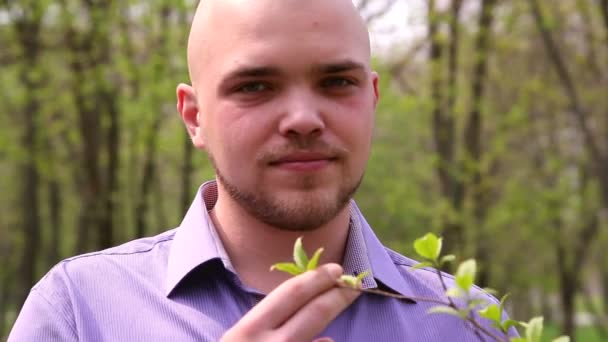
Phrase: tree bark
{"type": "Point", "coordinates": [106, 227]}
{"type": "Point", "coordinates": [28, 31]}
{"type": "Point", "coordinates": [443, 136]}
{"type": "Point", "coordinates": [150, 168]}
{"type": "Point", "coordinates": [473, 135]}
{"type": "Point", "coordinates": [55, 207]}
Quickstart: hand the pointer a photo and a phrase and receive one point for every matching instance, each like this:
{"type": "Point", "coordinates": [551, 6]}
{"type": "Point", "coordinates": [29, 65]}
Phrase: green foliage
{"type": "Point", "coordinates": [428, 247]}
{"type": "Point", "coordinates": [301, 262]}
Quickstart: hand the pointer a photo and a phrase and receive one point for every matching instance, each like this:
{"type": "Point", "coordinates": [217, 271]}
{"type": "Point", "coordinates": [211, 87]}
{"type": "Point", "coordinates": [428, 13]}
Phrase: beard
{"type": "Point", "coordinates": [308, 211]}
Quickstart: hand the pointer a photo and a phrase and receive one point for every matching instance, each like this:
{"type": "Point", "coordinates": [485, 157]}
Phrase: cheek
{"type": "Point", "coordinates": [239, 136]}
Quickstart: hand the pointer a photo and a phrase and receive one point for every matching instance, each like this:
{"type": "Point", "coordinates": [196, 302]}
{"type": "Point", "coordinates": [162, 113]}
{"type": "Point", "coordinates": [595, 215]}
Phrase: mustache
{"type": "Point", "coordinates": [321, 147]}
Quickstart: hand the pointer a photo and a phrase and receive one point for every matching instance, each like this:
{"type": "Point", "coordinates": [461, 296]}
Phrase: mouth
{"type": "Point", "coordinates": [304, 161]}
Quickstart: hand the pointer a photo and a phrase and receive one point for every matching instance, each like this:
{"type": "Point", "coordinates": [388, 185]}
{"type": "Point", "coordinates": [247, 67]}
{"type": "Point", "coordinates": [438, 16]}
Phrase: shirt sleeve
{"type": "Point", "coordinates": [39, 320]}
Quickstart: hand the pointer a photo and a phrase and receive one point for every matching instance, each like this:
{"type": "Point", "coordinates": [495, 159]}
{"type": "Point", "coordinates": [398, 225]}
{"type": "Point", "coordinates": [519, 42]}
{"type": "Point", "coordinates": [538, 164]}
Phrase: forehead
{"type": "Point", "coordinates": [274, 32]}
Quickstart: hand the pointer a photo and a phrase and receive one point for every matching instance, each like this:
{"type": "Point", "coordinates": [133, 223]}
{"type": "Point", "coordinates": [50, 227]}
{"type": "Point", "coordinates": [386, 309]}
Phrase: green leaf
{"type": "Point", "coordinates": [562, 339]}
{"type": "Point", "coordinates": [491, 312]}
{"type": "Point", "coordinates": [287, 267]}
{"type": "Point", "coordinates": [534, 329]}
{"type": "Point", "coordinates": [472, 303]}
{"type": "Point", "coordinates": [446, 259]}
{"type": "Point", "coordinates": [312, 263]}
{"type": "Point", "coordinates": [445, 310]}
{"type": "Point", "coordinates": [465, 275]}
{"type": "Point", "coordinates": [299, 254]}
{"type": "Point", "coordinates": [454, 292]}
{"type": "Point", "coordinates": [422, 265]}
{"type": "Point", "coordinates": [506, 325]}
{"type": "Point", "coordinates": [349, 280]}
{"type": "Point", "coordinates": [503, 300]}
{"type": "Point", "coordinates": [428, 246]}
{"type": "Point", "coordinates": [361, 276]}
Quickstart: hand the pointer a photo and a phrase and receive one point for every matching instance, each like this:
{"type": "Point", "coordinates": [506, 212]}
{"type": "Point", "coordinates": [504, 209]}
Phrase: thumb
{"type": "Point", "coordinates": [324, 339]}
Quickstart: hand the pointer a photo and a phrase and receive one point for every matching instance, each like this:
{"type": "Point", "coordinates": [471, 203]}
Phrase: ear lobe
{"type": "Point", "coordinates": [188, 108]}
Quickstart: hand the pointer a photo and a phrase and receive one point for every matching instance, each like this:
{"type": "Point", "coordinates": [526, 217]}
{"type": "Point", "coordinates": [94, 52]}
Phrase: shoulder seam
{"type": "Point", "coordinates": [92, 254]}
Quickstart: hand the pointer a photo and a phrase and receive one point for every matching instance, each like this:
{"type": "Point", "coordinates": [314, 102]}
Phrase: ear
{"type": "Point", "coordinates": [375, 79]}
{"type": "Point", "coordinates": [187, 106]}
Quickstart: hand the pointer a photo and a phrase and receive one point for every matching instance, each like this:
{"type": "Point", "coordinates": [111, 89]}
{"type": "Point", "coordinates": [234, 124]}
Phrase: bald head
{"type": "Point", "coordinates": [219, 24]}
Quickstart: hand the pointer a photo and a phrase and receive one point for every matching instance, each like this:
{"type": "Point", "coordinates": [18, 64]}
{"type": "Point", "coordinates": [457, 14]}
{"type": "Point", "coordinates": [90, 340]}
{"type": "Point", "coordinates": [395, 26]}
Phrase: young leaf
{"type": "Point", "coordinates": [445, 310]}
{"type": "Point", "coordinates": [465, 275]}
{"type": "Point", "coordinates": [534, 329]}
{"type": "Point", "coordinates": [477, 302]}
{"type": "Point", "coordinates": [349, 280]}
{"type": "Point", "coordinates": [428, 246]}
{"type": "Point", "coordinates": [361, 276]}
{"type": "Point", "coordinates": [454, 292]}
{"type": "Point", "coordinates": [287, 267]}
{"type": "Point", "coordinates": [312, 263]}
{"type": "Point", "coordinates": [446, 259]}
{"type": "Point", "coordinates": [562, 339]}
{"type": "Point", "coordinates": [299, 254]}
{"type": "Point", "coordinates": [503, 300]}
{"type": "Point", "coordinates": [506, 325]}
{"type": "Point", "coordinates": [491, 312]}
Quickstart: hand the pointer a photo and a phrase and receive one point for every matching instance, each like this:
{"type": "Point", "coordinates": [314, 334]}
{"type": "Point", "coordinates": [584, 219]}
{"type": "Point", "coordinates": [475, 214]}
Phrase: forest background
{"type": "Point", "coordinates": [492, 131]}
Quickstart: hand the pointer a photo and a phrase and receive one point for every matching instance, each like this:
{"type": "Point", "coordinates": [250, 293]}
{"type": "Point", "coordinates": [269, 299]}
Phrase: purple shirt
{"type": "Point", "coordinates": [180, 286]}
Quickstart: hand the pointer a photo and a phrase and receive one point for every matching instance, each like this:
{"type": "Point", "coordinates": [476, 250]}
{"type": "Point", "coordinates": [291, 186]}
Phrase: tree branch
{"type": "Point", "coordinates": [567, 83]}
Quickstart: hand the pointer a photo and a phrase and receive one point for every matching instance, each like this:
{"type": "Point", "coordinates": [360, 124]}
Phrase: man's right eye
{"type": "Point", "coordinates": [252, 87]}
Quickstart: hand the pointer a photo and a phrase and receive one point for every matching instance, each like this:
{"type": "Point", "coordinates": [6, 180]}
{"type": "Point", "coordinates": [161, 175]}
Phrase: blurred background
{"type": "Point", "coordinates": [492, 131]}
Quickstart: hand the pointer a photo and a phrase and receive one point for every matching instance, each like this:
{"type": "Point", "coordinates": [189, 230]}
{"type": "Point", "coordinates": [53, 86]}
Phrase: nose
{"type": "Point", "coordinates": [302, 116]}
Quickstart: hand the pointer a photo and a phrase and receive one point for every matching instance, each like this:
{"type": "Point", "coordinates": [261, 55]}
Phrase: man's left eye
{"type": "Point", "coordinates": [337, 82]}
{"type": "Point", "coordinates": [253, 87]}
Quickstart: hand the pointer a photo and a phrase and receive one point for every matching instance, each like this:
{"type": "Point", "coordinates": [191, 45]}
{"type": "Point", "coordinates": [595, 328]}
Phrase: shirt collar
{"type": "Point", "coordinates": [196, 242]}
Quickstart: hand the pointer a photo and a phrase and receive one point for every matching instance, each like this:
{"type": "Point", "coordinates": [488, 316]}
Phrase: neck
{"type": "Point", "coordinates": [254, 246]}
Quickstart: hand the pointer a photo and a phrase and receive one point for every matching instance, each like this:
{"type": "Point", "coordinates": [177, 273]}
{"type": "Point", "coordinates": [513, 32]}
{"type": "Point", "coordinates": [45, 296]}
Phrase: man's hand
{"type": "Point", "coordinates": [297, 310]}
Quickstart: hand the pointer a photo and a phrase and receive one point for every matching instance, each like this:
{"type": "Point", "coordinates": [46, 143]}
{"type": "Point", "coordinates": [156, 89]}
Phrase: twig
{"type": "Point", "coordinates": [390, 294]}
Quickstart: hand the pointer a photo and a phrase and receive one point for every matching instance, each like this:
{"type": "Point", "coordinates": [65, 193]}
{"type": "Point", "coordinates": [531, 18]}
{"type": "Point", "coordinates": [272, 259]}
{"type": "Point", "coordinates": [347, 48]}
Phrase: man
{"type": "Point", "coordinates": [282, 100]}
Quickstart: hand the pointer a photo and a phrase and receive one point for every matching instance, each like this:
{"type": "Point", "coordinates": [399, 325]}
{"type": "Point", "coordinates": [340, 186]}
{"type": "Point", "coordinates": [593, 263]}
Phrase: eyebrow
{"type": "Point", "coordinates": [338, 67]}
{"type": "Point", "coordinates": [245, 72]}
{"type": "Point", "coordinates": [267, 71]}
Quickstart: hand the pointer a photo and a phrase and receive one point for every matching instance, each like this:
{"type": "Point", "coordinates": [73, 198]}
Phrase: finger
{"type": "Point", "coordinates": [315, 316]}
{"type": "Point", "coordinates": [292, 295]}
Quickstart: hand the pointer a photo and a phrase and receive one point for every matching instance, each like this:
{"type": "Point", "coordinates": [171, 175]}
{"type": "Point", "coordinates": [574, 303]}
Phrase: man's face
{"type": "Point", "coordinates": [286, 99]}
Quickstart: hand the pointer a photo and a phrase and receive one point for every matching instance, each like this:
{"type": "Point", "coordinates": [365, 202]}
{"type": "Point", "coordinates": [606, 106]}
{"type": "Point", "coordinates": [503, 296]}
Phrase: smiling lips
{"type": "Point", "coordinates": [303, 161]}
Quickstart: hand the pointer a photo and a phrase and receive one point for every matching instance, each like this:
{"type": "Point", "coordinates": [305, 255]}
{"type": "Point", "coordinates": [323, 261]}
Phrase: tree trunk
{"type": "Point", "coordinates": [28, 29]}
{"type": "Point", "coordinates": [443, 136]}
{"type": "Point", "coordinates": [141, 209]}
{"type": "Point", "coordinates": [106, 227]}
{"type": "Point", "coordinates": [473, 136]}
{"type": "Point", "coordinates": [567, 285]}
{"type": "Point", "coordinates": [150, 168]}
{"type": "Point", "coordinates": [55, 207]}
{"type": "Point", "coordinates": [567, 294]}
